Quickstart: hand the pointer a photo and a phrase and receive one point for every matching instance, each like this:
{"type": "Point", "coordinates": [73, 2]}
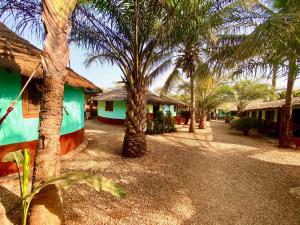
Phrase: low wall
{"type": "Point", "coordinates": [110, 120]}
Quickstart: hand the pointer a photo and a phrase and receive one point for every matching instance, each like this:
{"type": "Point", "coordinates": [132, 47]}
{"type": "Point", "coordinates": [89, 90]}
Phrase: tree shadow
{"type": "Point", "coordinates": [12, 205]}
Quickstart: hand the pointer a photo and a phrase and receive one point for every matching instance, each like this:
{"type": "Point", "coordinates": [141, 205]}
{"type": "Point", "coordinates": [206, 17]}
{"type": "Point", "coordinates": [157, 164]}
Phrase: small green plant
{"type": "Point", "coordinates": [22, 160]}
{"type": "Point", "coordinates": [169, 122]}
{"type": "Point", "coordinates": [159, 126]}
{"type": "Point", "coordinates": [245, 124]}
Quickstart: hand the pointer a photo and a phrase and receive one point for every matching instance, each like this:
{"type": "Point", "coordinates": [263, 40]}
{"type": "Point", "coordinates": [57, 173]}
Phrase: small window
{"type": "Point", "coordinates": [270, 114]}
{"type": "Point", "coordinates": [109, 106]}
{"type": "Point", "coordinates": [254, 114]}
{"type": "Point", "coordinates": [31, 99]}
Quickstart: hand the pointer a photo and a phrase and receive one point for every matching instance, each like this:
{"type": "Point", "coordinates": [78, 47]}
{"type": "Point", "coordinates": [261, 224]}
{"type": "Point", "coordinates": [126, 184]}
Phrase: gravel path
{"type": "Point", "coordinates": [215, 176]}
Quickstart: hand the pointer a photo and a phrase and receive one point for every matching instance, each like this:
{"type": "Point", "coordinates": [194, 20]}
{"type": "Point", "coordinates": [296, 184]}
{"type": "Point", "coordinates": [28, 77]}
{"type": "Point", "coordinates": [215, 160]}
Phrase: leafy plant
{"type": "Point", "coordinates": [245, 124]}
{"type": "Point", "coordinates": [186, 115]}
{"type": "Point", "coordinates": [169, 122]}
{"type": "Point", "coordinates": [159, 126]}
{"type": "Point", "coordinates": [161, 123]}
{"type": "Point", "coordinates": [150, 125]}
{"type": "Point", "coordinates": [22, 160]}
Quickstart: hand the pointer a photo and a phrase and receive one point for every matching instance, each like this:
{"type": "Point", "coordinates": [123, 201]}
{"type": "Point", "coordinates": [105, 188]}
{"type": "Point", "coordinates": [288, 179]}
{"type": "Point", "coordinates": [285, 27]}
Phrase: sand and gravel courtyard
{"type": "Point", "coordinates": [214, 177]}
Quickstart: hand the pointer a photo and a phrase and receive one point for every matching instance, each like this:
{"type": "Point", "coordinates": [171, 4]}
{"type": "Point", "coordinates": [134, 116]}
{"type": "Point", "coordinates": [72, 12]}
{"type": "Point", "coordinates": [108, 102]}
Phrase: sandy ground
{"type": "Point", "coordinates": [216, 176]}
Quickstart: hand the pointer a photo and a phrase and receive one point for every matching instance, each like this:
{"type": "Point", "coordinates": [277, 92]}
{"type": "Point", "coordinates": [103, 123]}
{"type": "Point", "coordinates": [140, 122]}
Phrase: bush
{"type": "Point", "coordinates": [159, 126]}
{"type": "Point", "coordinates": [169, 123]}
{"type": "Point", "coordinates": [161, 123]}
{"type": "Point", "coordinates": [245, 124]}
{"type": "Point", "coordinates": [186, 115]}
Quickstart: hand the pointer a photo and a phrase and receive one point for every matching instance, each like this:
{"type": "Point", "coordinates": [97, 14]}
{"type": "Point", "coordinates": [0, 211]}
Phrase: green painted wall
{"type": "Point", "coordinates": [119, 110]}
{"type": "Point", "coordinates": [167, 108]}
{"type": "Point", "coordinates": [74, 105]}
{"type": "Point", "coordinates": [150, 108]}
{"type": "Point", "coordinates": [16, 129]}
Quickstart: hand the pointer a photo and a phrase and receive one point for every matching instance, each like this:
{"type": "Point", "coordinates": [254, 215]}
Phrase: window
{"type": "Point", "coordinates": [254, 114]}
{"type": "Point", "coordinates": [109, 106]}
{"type": "Point", "coordinates": [270, 114]}
{"type": "Point", "coordinates": [31, 99]}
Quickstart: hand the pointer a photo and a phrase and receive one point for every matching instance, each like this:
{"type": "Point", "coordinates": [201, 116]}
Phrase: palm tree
{"type": "Point", "coordinates": [276, 36]}
{"type": "Point", "coordinates": [134, 35]}
{"type": "Point", "coordinates": [198, 24]}
{"type": "Point", "coordinates": [244, 92]}
{"type": "Point", "coordinates": [211, 93]}
{"type": "Point", "coordinates": [55, 18]}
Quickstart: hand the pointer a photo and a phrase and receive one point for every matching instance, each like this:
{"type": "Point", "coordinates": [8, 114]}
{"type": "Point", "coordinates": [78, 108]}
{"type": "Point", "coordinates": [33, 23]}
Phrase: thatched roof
{"type": "Point", "coordinates": [271, 105]}
{"type": "Point", "coordinates": [120, 94]}
{"type": "Point", "coordinates": [19, 55]}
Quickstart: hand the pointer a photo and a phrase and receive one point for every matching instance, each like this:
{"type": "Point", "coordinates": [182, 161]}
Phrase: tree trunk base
{"type": "Point", "coordinates": [202, 122]}
{"type": "Point", "coordinates": [46, 207]}
{"type": "Point", "coordinates": [287, 142]}
{"type": "Point", "coordinates": [192, 130]}
{"type": "Point", "coordinates": [134, 145]}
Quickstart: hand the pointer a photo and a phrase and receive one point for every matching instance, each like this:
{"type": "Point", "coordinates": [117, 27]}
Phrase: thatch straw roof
{"type": "Point", "coordinates": [120, 94]}
{"type": "Point", "coordinates": [19, 55]}
{"type": "Point", "coordinates": [271, 105]}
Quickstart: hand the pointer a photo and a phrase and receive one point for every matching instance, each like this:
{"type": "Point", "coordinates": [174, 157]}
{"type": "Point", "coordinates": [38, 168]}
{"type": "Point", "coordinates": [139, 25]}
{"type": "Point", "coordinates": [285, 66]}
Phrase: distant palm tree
{"type": "Point", "coordinates": [134, 35]}
{"type": "Point", "coordinates": [243, 92]}
{"type": "Point", "coordinates": [198, 24]}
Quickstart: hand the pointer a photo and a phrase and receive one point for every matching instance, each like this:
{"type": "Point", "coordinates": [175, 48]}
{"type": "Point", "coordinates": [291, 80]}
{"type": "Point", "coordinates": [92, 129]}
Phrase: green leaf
{"type": "Point", "coordinates": [26, 170]}
{"type": "Point", "coordinates": [68, 179]}
{"type": "Point", "coordinates": [13, 156]}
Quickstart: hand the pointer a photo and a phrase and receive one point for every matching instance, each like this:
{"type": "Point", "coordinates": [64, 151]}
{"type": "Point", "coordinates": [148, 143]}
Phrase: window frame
{"type": "Point", "coordinates": [26, 101]}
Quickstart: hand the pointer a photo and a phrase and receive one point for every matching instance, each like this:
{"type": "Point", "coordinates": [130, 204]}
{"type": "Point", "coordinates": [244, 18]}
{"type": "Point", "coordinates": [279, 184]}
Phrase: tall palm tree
{"type": "Point", "coordinates": [134, 35]}
{"type": "Point", "coordinates": [197, 26]}
{"type": "Point", "coordinates": [276, 37]}
{"type": "Point", "coordinates": [55, 18]}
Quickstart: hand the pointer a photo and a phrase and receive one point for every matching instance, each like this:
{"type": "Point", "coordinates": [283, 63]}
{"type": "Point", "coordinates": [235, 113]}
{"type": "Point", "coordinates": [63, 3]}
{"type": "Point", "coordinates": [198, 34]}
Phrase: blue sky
{"type": "Point", "coordinates": [106, 75]}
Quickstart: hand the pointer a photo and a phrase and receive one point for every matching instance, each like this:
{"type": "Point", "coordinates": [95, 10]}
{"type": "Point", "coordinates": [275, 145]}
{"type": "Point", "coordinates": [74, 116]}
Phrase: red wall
{"type": "Point", "coordinates": [68, 142]}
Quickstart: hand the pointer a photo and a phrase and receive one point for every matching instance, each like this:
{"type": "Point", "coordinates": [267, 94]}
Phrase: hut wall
{"type": "Point", "coordinates": [166, 108]}
{"type": "Point", "coordinates": [16, 129]}
{"type": "Point", "coordinates": [17, 132]}
{"type": "Point", "coordinates": [119, 110]}
{"type": "Point", "coordinates": [150, 108]}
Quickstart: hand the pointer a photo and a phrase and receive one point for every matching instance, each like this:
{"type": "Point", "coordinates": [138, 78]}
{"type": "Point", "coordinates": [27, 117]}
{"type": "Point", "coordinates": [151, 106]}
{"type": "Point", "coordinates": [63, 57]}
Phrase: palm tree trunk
{"type": "Point", "coordinates": [193, 104]}
{"type": "Point", "coordinates": [287, 139]}
{"type": "Point", "coordinates": [134, 144]}
{"type": "Point", "coordinates": [47, 206]}
{"type": "Point", "coordinates": [274, 77]}
{"type": "Point", "coordinates": [202, 119]}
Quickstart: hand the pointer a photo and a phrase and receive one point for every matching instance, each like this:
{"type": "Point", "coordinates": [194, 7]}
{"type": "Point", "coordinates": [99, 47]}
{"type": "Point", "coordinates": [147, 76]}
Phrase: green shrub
{"type": "Point", "coordinates": [186, 115]}
{"type": "Point", "coordinates": [161, 123]}
{"type": "Point", "coordinates": [169, 123]}
{"type": "Point", "coordinates": [159, 126]}
{"type": "Point", "coordinates": [245, 124]}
